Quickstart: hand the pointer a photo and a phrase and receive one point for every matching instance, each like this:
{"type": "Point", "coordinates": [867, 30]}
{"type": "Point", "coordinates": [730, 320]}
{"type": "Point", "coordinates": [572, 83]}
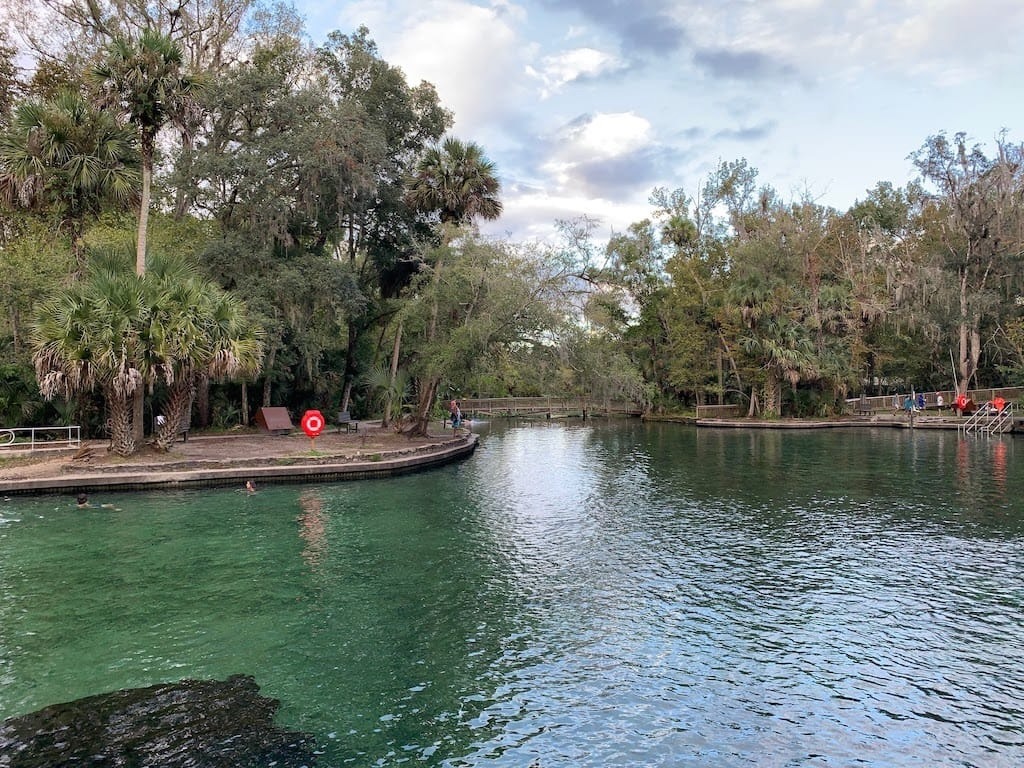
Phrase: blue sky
{"type": "Point", "coordinates": [586, 105]}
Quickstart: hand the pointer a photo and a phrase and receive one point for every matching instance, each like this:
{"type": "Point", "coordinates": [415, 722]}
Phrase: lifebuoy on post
{"type": "Point", "coordinates": [312, 423]}
{"type": "Point", "coordinates": [961, 401]}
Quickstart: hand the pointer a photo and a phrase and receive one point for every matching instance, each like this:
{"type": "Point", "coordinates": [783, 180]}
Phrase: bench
{"type": "Point", "coordinates": [346, 422]}
{"type": "Point", "coordinates": [863, 407]}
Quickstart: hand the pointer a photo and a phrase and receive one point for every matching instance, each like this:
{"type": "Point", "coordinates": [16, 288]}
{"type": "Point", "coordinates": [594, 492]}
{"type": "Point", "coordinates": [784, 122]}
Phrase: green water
{"type": "Point", "coordinates": [577, 595]}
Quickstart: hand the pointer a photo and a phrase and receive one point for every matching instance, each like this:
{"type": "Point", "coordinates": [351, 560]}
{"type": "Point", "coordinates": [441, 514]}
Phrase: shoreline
{"type": "Point", "coordinates": [901, 421]}
{"type": "Point", "coordinates": [224, 460]}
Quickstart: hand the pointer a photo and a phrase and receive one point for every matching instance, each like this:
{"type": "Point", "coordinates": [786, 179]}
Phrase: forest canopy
{"type": "Point", "coordinates": [205, 166]}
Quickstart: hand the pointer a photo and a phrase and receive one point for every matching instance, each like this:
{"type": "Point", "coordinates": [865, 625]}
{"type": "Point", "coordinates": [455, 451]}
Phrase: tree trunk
{"type": "Point", "coordinates": [121, 440]}
{"type": "Point", "coordinates": [245, 403]}
{"type": "Point", "coordinates": [176, 410]}
{"type": "Point", "coordinates": [183, 199]}
{"type": "Point", "coordinates": [975, 356]}
{"type": "Point", "coordinates": [965, 368]}
{"type": "Point", "coordinates": [428, 390]}
{"type": "Point", "coordinates": [350, 363]}
{"type": "Point", "coordinates": [720, 361]}
{"type": "Point", "coordinates": [203, 402]}
{"type": "Point", "coordinates": [389, 398]}
{"type": "Point", "coordinates": [346, 395]}
{"type": "Point", "coordinates": [139, 415]}
{"type": "Point", "coordinates": [772, 395]}
{"type": "Point", "coordinates": [266, 376]}
{"type": "Point", "coordinates": [147, 183]}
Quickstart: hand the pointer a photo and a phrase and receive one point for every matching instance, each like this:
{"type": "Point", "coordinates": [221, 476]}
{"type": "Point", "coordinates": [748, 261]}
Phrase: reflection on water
{"type": "Point", "coordinates": [313, 526]}
{"type": "Point", "coordinates": [572, 595]}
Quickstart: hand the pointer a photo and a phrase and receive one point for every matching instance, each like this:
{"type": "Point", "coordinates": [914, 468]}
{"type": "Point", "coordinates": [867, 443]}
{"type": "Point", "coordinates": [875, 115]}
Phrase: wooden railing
{"type": "Point", "coordinates": [883, 403]}
{"type": "Point", "coordinates": [718, 411]}
{"type": "Point", "coordinates": [543, 406]}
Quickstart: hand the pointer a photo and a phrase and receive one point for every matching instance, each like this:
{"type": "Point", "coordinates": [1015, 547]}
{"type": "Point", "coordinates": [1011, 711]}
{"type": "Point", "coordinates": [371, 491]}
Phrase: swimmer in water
{"type": "Point", "coordinates": [82, 501]}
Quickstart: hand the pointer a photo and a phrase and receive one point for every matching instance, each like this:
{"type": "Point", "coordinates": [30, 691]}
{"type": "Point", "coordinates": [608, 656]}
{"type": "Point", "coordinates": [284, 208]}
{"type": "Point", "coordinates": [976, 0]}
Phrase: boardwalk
{"type": "Point", "coordinates": [548, 407]}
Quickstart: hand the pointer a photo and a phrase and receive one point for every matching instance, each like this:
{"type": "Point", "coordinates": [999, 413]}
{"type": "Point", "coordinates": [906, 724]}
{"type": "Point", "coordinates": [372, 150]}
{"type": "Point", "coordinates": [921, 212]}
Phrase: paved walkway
{"type": "Point", "coordinates": [228, 460]}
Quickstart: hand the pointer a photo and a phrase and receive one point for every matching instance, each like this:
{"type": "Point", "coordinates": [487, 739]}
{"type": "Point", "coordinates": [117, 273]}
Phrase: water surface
{"type": "Point", "coordinates": [608, 594]}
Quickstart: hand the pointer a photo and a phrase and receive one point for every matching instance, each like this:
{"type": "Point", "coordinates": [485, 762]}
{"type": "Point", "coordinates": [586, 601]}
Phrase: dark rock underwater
{"type": "Point", "coordinates": [187, 724]}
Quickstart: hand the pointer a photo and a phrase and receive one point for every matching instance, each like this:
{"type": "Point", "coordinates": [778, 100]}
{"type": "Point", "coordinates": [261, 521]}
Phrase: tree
{"type": "Point", "coordinates": [33, 262]}
{"type": "Point", "coordinates": [90, 336]}
{"type": "Point", "coordinates": [145, 83]}
{"type": "Point", "coordinates": [66, 159]}
{"type": "Point", "coordinates": [492, 298]}
{"type": "Point", "coordinates": [9, 85]}
{"type": "Point", "coordinates": [194, 330]}
{"type": "Point", "coordinates": [773, 270]}
{"type": "Point", "coordinates": [458, 183]}
{"type": "Point", "coordinates": [981, 236]}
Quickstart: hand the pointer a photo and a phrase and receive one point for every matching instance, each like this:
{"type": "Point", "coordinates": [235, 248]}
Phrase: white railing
{"type": "Point", "coordinates": [39, 438]}
{"type": "Point", "coordinates": [989, 420]}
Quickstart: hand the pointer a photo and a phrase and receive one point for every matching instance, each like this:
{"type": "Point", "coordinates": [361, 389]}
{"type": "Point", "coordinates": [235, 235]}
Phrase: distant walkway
{"type": "Point", "coordinates": [894, 402]}
{"type": "Point", "coordinates": [548, 407]}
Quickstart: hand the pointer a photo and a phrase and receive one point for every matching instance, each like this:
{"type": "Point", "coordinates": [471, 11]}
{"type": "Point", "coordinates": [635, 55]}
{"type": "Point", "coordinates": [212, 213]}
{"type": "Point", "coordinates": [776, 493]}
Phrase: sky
{"type": "Point", "coordinates": [586, 106]}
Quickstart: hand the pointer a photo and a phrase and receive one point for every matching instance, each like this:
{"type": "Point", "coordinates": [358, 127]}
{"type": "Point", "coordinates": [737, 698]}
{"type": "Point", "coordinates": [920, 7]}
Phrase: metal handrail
{"type": "Point", "coordinates": [984, 420]}
{"type": "Point", "coordinates": [40, 438]}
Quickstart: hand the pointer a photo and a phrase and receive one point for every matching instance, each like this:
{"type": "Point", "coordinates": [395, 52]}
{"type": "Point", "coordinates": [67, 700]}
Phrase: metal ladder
{"type": "Point", "coordinates": [987, 421]}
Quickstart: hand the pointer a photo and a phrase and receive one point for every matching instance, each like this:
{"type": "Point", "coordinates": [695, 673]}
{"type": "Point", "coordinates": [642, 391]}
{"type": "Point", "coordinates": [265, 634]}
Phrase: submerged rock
{"type": "Point", "coordinates": [188, 724]}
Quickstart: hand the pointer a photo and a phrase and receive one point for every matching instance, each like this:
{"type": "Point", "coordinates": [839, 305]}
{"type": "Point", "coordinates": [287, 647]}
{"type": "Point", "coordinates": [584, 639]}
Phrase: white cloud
{"type": "Point", "coordinates": [939, 41]}
{"type": "Point", "coordinates": [606, 135]}
{"type": "Point", "coordinates": [811, 92]}
{"type": "Point", "coordinates": [600, 137]}
{"type": "Point", "coordinates": [467, 50]}
{"type": "Point", "coordinates": [531, 214]}
{"type": "Point", "coordinates": [563, 68]}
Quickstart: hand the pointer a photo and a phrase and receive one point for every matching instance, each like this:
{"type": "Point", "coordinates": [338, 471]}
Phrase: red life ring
{"type": "Point", "coordinates": [961, 401]}
{"type": "Point", "coordinates": [312, 423]}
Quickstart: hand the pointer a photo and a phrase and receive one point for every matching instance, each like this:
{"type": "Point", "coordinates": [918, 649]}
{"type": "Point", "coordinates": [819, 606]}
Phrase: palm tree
{"type": "Point", "coordinates": [457, 182]}
{"type": "Point", "coordinates": [119, 333]}
{"type": "Point", "coordinates": [90, 336]}
{"type": "Point", "coordinates": [67, 158]}
{"type": "Point", "coordinates": [145, 83]}
{"type": "Point", "coordinates": [196, 330]}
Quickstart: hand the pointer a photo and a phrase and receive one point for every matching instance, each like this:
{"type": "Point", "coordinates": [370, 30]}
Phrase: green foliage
{"type": "Point", "coordinates": [20, 404]}
{"type": "Point", "coordinates": [383, 389]}
{"type": "Point", "coordinates": [117, 332]}
{"type": "Point", "coordinates": [319, 187]}
{"type": "Point", "coordinates": [34, 263]}
{"type": "Point", "coordinates": [66, 160]}
{"type": "Point", "coordinates": [456, 181]}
